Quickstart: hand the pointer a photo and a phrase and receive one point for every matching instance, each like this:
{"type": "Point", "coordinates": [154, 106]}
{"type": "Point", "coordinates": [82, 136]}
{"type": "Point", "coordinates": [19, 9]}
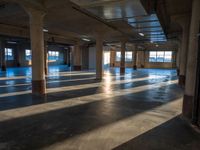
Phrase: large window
{"type": "Point", "coordinates": [28, 54]}
{"type": "Point", "coordinates": [118, 56]}
{"type": "Point", "coordinates": [128, 56]}
{"type": "Point", "coordinates": [9, 54]}
{"type": "Point", "coordinates": [53, 55]}
{"type": "Point", "coordinates": [160, 56]}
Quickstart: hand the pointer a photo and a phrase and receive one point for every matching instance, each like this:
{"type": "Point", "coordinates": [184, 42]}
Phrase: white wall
{"type": "Point", "coordinates": [92, 58]}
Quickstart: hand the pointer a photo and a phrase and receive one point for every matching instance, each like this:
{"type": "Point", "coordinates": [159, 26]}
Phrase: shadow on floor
{"type": "Point", "coordinates": [44, 129]}
{"type": "Point", "coordinates": [23, 100]}
{"type": "Point", "coordinates": [174, 134]}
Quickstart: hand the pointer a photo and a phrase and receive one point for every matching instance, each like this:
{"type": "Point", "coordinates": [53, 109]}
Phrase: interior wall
{"type": "Point", "coordinates": [85, 57]}
{"type": "Point", "coordinates": [164, 65]}
{"type": "Point", "coordinates": [143, 61]}
{"type": "Point", "coordinates": [20, 59]}
{"type": "Point", "coordinates": [92, 58]}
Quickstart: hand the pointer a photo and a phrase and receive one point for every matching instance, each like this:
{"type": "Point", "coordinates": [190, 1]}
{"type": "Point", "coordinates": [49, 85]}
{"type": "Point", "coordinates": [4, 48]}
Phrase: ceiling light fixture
{"type": "Point", "coordinates": [11, 42]}
{"type": "Point", "coordinates": [141, 34]}
{"type": "Point", "coordinates": [84, 39]}
{"type": "Point", "coordinates": [45, 30]}
{"type": "Point", "coordinates": [157, 45]}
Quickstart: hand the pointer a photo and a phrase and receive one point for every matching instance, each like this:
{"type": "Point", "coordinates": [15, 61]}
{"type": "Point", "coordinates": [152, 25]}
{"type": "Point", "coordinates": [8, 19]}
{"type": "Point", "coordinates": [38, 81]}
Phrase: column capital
{"type": "Point", "coordinates": [30, 5]}
{"type": "Point", "coordinates": [35, 13]}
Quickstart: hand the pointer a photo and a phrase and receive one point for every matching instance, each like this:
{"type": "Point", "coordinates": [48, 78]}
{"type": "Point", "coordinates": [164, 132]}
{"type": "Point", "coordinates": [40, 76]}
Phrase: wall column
{"type": "Point", "coordinates": [112, 58]}
{"type": "Point", "coordinates": [122, 62]}
{"type": "Point", "coordinates": [3, 60]}
{"type": "Point", "coordinates": [37, 46]}
{"type": "Point", "coordinates": [135, 60]}
{"type": "Point", "coordinates": [185, 23]}
{"type": "Point", "coordinates": [178, 60]}
{"type": "Point", "coordinates": [46, 57]}
{"type": "Point", "coordinates": [192, 61]}
{"type": "Point", "coordinates": [77, 57]}
{"type": "Point", "coordinates": [99, 58]}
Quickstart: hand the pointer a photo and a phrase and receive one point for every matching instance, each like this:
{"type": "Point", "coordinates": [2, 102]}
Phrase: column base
{"type": "Point", "coordinates": [3, 68]}
{"type": "Point", "coordinates": [187, 106]}
{"type": "Point", "coordinates": [38, 87]}
{"type": "Point", "coordinates": [122, 70]}
{"type": "Point", "coordinates": [181, 80]}
{"type": "Point", "coordinates": [77, 68]}
{"type": "Point", "coordinates": [135, 67]}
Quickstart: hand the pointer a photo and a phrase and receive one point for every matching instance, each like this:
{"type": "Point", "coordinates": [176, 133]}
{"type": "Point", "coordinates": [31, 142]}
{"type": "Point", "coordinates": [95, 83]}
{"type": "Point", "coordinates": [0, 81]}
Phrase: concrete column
{"type": "Point", "coordinates": [122, 62]}
{"type": "Point", "coordinates": [184, 49]}
{"type": "Point", "coordinates": [69, 57]}
{"type": "Point", "coordinates": [37, 47]}
{"type": "Point", "coordinates": [77, 53]}
{"type": "Point", "coordinates": [135, 60]}
{"type": "Point", "coordinates": [178, 60]}
{"type": "Point", "coordinates": [65, 56]}
{"type": "Point", "coordinates": [192, 61]}
{"type": "Point", "coordinates": [3, 60]}
{"type": "Point", "coordinates": [99, 58]}
{"type": "Point", "coordinates": [17, 54]}
{"type": "Point", "coordinates": [112, 58]}
{"type": "Point", "coordinates": [46, 57]}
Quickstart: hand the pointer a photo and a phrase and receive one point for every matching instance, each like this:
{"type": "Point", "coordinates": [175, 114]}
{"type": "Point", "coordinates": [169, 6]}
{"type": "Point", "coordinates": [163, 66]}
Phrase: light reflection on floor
{"type": "Point", "coordinates": [82, 113]}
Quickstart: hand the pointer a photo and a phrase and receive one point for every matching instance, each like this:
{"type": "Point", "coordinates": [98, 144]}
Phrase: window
{"type": "Point", "coordinates": [168, 56]}
{"type": "Point", "coordinates": [28, 54]}
{"type": "Point", "coordinates": [152, 56]}
{"type": "Point", "coordinates": [128, 56]}
{"type": "Point", "coordinates": [53, 55]}
{"type": "Point", "coordinates": [9, 54]}
{"type": "Point", "coordinates": [118, 56]}
{"type": "Point", "coordinates": [160, 56]}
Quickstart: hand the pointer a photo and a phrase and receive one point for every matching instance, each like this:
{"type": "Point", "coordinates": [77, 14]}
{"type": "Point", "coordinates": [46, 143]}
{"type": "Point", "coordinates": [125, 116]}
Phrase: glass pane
{"type": "Point", "coordinates": [9, 54]}
{"type": "Point", "coordinates": [128, 56]}
{"type": "Point", "coordinates": [168, 56]}
{"type": "Point", "coordinates": [118, 56]}
{"type": "Point", "coordinates": [152, 56]}
{"type": "Point", "coordinates": [28, 54]}
{"type": "Point", "coordinates": [160, 56]}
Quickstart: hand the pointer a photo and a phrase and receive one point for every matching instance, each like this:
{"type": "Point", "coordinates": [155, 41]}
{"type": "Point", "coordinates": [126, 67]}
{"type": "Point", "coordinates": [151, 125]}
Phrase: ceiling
{"type": "Point", "coordinates": [74, 20]}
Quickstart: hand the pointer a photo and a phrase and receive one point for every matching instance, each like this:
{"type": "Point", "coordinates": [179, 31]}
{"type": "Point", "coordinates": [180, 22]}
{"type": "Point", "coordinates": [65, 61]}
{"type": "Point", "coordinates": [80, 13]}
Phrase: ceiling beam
{"type": "Point", "coordinates": [86, 4]}
{"type": "Point", "coordinates": [27, 4]}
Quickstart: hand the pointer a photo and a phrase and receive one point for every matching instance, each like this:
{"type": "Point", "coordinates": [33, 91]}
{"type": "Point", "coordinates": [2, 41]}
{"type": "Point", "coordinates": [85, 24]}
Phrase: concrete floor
{"type": "Point", "coordinates": [139, 110]}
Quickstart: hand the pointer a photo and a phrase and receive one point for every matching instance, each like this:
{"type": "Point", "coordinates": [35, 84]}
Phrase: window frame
{"type": "Point", "coordinates": [9, 54]}
{"type": "Point", "coordinates": [160, 58]}
{"type": "Point", "coordinates": [118, 57]}
{"type": "Point", "coordinates": [28, 57]}
{"type": "Point", "coordinates": [53, 55]}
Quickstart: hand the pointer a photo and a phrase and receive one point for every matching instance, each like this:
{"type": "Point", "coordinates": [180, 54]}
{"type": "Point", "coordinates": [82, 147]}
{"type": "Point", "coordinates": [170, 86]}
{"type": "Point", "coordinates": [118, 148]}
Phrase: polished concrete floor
{"type": "Point", "coordinates": [138, 111]}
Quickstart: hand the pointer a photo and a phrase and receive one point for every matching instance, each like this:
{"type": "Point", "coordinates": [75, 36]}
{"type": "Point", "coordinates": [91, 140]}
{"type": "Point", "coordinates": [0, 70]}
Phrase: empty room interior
{"type": "Point", "coordinates": [99, 74]}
